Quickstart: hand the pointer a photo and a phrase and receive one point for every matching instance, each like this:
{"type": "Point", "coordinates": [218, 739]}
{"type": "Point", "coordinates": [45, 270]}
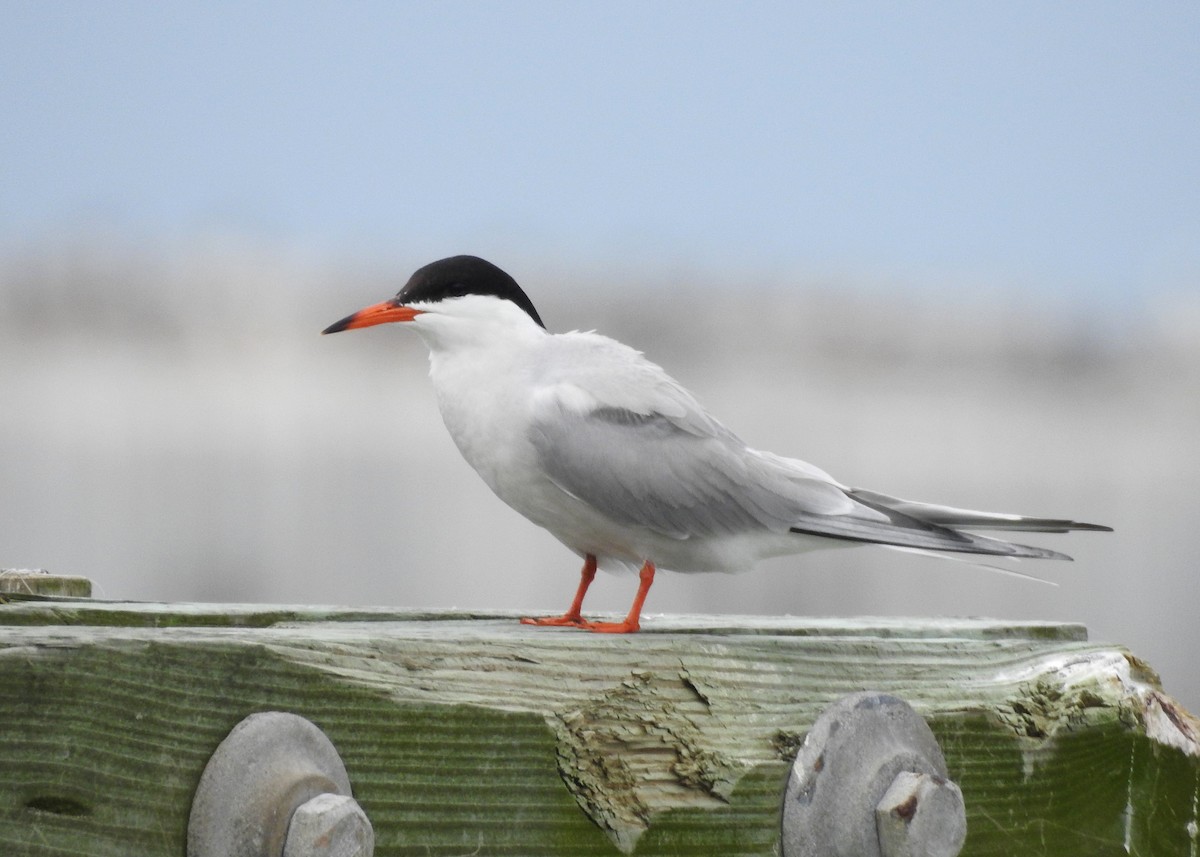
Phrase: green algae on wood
{"type": "Point", "coordinates": [466, 733]}
{"type": "Point", "coordinates": [39, 582]}
{"type": "Point", "coordinates": [35, 610]}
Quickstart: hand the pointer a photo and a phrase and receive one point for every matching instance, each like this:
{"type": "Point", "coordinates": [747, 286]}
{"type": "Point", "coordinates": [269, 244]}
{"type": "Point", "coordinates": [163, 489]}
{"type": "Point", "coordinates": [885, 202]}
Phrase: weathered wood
{"type": "Point", "coordinates": [472, 734]}
{"type": "Point", "coordinates": [38, 581]}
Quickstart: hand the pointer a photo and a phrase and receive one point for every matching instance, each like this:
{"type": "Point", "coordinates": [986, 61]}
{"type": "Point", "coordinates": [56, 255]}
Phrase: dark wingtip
{"type": "Point", "coordinates": [339, 326]}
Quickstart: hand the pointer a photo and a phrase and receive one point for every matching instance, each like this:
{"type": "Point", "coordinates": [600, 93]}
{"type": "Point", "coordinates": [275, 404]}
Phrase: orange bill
{"type": "Point", "coordinates": [383, 313]}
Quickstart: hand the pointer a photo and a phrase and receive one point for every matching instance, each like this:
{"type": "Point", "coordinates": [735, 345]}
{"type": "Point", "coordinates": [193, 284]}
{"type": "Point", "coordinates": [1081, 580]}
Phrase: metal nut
{"type": "Point", "coordinates": [329, 825]}
{"type": "Point", "coordinates": [921, 815]}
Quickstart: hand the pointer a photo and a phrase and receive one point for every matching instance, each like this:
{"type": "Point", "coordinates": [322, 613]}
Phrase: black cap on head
{"type": "Point", "coordinates": [464, 275]}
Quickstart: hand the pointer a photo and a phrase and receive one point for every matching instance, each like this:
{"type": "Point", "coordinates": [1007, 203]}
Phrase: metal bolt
{"type": "Point", "coordinates": [870, 781]}
{"type": "Point", "coordinates": [921, 815]}
{"type": "Point", "coordinates": [276, 787]}
{"type": "Point", "coordinates": [329, 825]}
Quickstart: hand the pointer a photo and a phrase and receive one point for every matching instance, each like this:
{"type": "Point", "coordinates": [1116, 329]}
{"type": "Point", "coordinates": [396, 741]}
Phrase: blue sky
{"type": "Point", "coordinates": [1052, 146]}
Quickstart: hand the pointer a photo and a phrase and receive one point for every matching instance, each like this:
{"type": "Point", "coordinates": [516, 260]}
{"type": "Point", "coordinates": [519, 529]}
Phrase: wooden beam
{"type": "Point", "coordinates": [469, 733]}
{"type": "Point", "coordinates": [38, 581]}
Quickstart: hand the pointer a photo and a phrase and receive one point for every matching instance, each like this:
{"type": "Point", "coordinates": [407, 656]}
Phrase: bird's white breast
{"type": "Point", "coordinates": [483, 407]}
{"type": "Point", "coordinates": [487, 398]}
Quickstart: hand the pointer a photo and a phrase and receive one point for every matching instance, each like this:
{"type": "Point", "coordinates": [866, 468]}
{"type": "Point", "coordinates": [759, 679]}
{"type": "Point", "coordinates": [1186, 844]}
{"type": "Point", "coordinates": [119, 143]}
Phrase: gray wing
{"type": "Point", "coordinates": [647, 470]}
{"type": "Point", "coordinates": [615, 431]}
{"type": "Point", "coordinates": [949, 516]}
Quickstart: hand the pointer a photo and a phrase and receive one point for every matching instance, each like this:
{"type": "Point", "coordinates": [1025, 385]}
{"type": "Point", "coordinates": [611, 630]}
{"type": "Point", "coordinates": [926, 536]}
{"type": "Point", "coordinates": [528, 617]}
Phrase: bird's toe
{"type": "Point", "coordinates": [564, 621]}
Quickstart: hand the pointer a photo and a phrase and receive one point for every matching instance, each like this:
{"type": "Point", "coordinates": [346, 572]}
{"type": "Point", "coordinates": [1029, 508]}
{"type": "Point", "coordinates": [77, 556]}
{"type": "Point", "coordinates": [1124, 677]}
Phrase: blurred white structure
{"type": "Point", "coordinates": [174, 428]}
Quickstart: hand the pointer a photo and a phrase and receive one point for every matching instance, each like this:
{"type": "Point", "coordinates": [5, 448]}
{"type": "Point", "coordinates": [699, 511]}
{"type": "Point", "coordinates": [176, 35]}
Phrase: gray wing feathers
{"type": "Point", "coordinates": [646, 470]}
{"type": "Point", "coordinates": [625, 438]}
{"type": "Point", "coordinates": [948, 516]}
{"type": "Point", "coordinates": [904, 531]}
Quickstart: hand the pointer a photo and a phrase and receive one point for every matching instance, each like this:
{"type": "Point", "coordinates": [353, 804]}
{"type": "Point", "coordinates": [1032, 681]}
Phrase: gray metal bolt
{"type": "Point", "coordinates": [921, 815]}
{"type": "Point", "coordinates": [276, 786]}
{"type": "Point", "coordinates": [329, 825]}
{"type": "Point", "coordinates": [870, 781]}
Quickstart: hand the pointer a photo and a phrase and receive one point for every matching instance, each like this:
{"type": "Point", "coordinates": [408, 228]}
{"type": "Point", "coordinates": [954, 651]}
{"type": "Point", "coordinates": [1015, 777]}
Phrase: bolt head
{"type": "Point", "coordinates": [329, 825]}
{"type": "Point", "coordinates": [921, 815]}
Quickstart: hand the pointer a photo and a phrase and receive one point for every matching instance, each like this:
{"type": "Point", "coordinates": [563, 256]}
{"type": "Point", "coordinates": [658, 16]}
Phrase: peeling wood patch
{"type": "Point", "coordinates": [638, 749]}
{"type": "Point", "coordinates": [1167, 723]}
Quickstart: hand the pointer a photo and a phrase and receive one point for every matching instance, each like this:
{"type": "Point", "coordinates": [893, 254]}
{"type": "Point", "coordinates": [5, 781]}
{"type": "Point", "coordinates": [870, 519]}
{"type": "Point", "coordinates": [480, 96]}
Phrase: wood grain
{"type": "Point", "coordinates": [472, 734]}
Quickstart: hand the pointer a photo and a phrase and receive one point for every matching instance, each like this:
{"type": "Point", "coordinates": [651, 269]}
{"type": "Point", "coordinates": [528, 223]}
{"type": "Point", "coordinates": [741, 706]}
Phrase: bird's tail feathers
{"type": "Point", "coordinates": [949, 516]}
{"type": "Point", "coordinates": [975, 563]}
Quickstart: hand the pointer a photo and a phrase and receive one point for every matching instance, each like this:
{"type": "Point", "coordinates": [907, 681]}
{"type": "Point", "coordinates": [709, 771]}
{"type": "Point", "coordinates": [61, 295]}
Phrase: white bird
{"type": "Point", "coordinates": [585, 437]}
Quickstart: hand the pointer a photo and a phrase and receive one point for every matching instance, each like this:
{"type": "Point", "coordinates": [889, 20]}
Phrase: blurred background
{"type": "Point", "coordinates": [946, 251]}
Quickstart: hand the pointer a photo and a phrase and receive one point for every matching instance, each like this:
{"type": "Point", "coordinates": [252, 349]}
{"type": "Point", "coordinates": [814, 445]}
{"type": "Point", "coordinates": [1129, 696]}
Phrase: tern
{"type": "Point", "coordinates": [587, 438]}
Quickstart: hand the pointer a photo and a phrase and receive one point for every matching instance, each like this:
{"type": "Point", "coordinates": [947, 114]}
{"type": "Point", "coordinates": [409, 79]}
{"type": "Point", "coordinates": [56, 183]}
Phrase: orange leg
{"type": "Point", "coordinates": [631, 622]}
{"type": "Point", "coordinates": [572, 617]}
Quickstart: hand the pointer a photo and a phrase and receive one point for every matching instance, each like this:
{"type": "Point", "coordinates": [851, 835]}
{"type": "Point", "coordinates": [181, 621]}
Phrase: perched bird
{"type": "Point", "coordinates": [585, 437]}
